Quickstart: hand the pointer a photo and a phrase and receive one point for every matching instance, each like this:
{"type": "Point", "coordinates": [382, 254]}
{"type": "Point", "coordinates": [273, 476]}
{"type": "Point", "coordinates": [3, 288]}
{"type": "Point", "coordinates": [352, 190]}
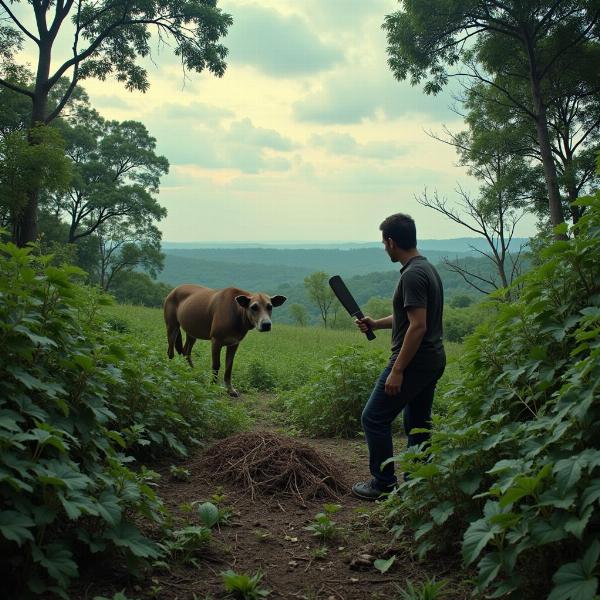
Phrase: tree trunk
{"type": "Point", "coordinates": [541, 125]}
{"type": "Point", "coordinates": [25, 227]}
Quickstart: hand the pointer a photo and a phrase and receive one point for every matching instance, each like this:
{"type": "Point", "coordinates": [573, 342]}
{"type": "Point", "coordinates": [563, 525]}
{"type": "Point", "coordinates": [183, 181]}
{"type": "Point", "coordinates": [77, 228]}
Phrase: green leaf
{"type": "Point", "coordinates": [590, 558]}
{"type": "Point", "coordinates": [209, 514]}
{"type": "Point", "coordinates": [58, 561]}
{"type": "Point", "coordinates": [442, 512]}
{"type": "Point", "coordinates": [15, 526]}
{"type": "Point", "coordinates": [127, 535]}
{"type": "Point", "coordinates": [568, 471]}
{"type": "Point", "coordinates": [489, 567]}
{"type": "Point", "coordinates": [573, 583]}
{"type": "Point", "coordinates": [476, 538]}
{"type": "Point", "coordinates": [469, 483]}
{"type": "Point", "coordinates": [383, 565]}
{"type": "Point", "coordinates": [576, 526]}
{"type": "Point", "coordinates": [109, 507]}
{"type": "Point", "coordinates": [39, 340]}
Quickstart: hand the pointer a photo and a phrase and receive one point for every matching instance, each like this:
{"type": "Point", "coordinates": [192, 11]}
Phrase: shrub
{"type": "Point", "coordinates": [513, 473]}
{"type": "Point", "coordinates": [260, 376]}
{"type": "Point", "coordinates": [74, 395]}
{"type": "Point", "coordinates": [62, 481]}
{"type": "Point", "coordinates": [461, 322]}
{"type": "Point", "coordinates": [159, 405]}
{"type": "Point", "coordinates": [331, 403]}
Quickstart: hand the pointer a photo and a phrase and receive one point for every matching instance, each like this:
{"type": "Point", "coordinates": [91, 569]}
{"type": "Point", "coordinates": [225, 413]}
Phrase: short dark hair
{"type": "Point", "coordinates": [401, 228]}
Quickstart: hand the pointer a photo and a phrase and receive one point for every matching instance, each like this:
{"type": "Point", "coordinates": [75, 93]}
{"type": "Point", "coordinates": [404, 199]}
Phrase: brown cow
{"type": "Point", "coordinates": [222, 316]}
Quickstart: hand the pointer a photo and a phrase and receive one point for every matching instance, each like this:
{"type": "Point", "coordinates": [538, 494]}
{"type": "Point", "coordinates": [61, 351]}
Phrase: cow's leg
{"type": "Point", "coordinates": [187, 349]}
{"type": "Point", "coordinates": [173, 335]}
{"type": "Point", "coordinates": [216, 359]}
{"type": "Point", "coordinates": [173, 331]}
{"type": "Point", "coordinates": [229, 356]}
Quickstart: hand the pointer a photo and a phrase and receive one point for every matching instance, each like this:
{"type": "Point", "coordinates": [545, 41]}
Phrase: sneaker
{"type": "Point", "coordinates": [367, 491]}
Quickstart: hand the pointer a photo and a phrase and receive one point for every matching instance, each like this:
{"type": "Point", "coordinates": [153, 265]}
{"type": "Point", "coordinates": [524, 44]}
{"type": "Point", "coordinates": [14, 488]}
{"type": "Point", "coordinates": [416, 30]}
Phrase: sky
{"type": "Point", "coordinates": [307, 136]}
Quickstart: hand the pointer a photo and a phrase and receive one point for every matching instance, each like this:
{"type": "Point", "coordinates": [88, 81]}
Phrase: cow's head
{"type": "Point", "coordinates": [258, 308]}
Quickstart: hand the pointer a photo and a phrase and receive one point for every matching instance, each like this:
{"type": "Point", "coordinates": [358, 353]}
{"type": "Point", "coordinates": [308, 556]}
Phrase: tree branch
{"type": "Point", "coordinates": [16, 88]}
{"type": "Point", "coordinates": [18, 23]}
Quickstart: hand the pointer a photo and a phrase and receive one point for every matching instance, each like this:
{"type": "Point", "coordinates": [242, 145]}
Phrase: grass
{"type": "Point", "coordinates": [282, 359]}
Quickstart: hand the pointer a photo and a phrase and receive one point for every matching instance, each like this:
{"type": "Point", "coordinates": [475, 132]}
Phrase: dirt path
{"type": "Point", "coordinates": [269, 535]}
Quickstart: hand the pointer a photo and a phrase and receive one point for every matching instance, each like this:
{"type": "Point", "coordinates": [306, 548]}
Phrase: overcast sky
{"type": "Point", "coordinates": [307, 137]}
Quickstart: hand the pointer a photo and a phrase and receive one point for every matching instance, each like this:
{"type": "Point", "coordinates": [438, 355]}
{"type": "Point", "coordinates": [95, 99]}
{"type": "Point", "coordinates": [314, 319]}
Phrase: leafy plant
{"type": "Point", "coordinates": [260, 376]}
{"type": "Point", "coordinates": [179, 473]}
{"type": "Point", "coordinates": [322, 526]}
{"type": "Point", "coordinates": [63, 479]}
{"type": "Point", "coordinates": [244, 586]}
{"type": "Point", "coordinates": [429, 590]}
{"type": "Point", "coordinates": [513, 471]}
{"type": "Point", "coordinates": [331, 403]}
{"type": "Point", "coordinates": [183, 545]}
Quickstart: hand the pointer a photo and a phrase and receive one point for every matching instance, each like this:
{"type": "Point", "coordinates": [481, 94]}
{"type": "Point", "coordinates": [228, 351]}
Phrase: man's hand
{"type": "Point", "coordinates": [393, 383]}
{"type": "Point", "coordinates": [365, 324]}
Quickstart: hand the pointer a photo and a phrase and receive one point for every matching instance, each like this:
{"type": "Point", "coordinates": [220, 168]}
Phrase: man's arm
{"type": "Point", "coordinates": [367, 322]}
{"type": "Point", "coordinates": [417, 326]}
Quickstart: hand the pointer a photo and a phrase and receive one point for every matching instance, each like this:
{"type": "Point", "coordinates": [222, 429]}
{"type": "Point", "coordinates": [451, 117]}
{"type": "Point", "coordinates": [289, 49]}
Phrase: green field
{"type": "Point", "coordinates": [288, 354]}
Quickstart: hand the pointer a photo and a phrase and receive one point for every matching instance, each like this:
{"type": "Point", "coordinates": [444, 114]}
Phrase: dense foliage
{"type": "Point", "coordinates": [75, 396]}
{"type": "Point", "coordinates": [331, 403]}
{"type": "Point", "coordinates": [513, 471]}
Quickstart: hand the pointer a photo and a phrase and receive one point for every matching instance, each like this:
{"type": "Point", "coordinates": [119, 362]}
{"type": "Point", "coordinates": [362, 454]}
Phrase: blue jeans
{"type": "Point", "coordinates": [416, 399]}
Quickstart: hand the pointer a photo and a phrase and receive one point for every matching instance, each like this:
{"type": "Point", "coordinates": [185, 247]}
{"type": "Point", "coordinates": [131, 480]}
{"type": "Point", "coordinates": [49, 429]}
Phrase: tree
{"type": "Point", "coordinates": [493, 150]}
{"type": "Point", "coordinates": [116, 174]}
{"type": "Point", "coordinates": [299, 314]}
{"type": "Point", "coordinates": [107, 38]}
{"type": "Point", "coordinates": [318, 290]}
{"type": "Point", "coordinates": [500, 43]}
{"type": "Point", "coordinates": [124, 246]}
{"type": "Point", "coordinates": [25, 167]}
{"type": "Point", "coordinates": [378, 308]}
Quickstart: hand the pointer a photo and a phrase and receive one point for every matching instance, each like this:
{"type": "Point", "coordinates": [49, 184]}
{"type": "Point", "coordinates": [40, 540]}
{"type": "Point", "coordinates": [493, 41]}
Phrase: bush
{"type": "Point", "coordinates": [133, 287]}
{"type": "Point", "coordinates": [461, 322]}
{"type": "Point", "coordinates": [513, 473]}
{"type": "Point", "coordinates": [74, 394]}
{"type": "Point", "coordinates": [260, 376]}
{"type": "Point", "coordinates": [331, 403]}
{"type": "Point", "coordinates": [62, 481]}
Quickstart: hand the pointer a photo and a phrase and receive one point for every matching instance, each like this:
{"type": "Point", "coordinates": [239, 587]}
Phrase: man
{"type": "Point", "coordinates": [417, 361]}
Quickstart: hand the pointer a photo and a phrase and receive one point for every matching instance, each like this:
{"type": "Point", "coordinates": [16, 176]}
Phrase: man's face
{"type": "Point", "coordinates": [389, 245]}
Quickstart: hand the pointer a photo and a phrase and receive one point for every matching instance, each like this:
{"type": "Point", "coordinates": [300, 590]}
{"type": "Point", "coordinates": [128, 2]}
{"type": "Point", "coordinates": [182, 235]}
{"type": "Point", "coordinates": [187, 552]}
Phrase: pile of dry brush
{"type": "Point", "coordinates": [267, 463]}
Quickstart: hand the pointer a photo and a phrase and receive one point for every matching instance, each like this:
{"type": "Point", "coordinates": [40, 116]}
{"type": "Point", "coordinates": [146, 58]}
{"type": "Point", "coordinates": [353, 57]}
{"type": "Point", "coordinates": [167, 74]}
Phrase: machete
{"type": "Point", "coordinates": [348, 302]}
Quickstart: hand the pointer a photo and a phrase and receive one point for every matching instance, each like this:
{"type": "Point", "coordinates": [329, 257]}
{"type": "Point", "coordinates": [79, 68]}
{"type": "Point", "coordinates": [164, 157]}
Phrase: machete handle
{"type": "Point", "coordinates": [369, 333]}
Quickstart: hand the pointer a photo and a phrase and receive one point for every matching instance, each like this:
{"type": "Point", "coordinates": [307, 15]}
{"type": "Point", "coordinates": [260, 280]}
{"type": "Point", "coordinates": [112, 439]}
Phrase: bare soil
{"type": "Point", "coordinates": [268, 534]}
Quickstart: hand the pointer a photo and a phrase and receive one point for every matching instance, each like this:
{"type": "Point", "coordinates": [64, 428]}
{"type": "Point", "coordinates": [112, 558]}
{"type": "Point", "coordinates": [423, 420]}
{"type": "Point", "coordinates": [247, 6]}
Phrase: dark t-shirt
{"type": "Point", "coordinates": [420, 286]}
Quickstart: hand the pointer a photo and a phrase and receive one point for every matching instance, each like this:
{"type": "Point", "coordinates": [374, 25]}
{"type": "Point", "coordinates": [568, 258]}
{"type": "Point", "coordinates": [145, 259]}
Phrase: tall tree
{"type": "Point", "coordinates": [116, 174]}
{"type": "Point", "coordinates": [107, 39]}
{"type": "Point", "coordinates": [497, 154]}
{"type": "Point", "coordinates": [25, 167]}
{"type": "Point", "coordinates": [125, 245]}
{"type": "Point", "coordinates": [299, 314]}
{"type": "Point", "coordinates": [320, 293]}
{"type": "Point", "coordinates": [500, 42]}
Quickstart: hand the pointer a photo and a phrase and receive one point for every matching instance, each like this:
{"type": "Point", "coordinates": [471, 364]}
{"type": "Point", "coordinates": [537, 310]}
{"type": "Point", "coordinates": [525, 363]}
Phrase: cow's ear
{"type": "Point", "coordinates": [278, 300]}
{"type": "Point", "coordinates": [243, 301]}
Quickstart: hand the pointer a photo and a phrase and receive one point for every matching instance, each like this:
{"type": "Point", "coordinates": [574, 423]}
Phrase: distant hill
{"type": "Point", "coordinates": [252, 267]}
{"type": "Point", "coordinates": [217, 273]}
{"type": "Point", "coordinates": [281, 270]}
{"type": "Point", "coordinates": [453, 245]}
